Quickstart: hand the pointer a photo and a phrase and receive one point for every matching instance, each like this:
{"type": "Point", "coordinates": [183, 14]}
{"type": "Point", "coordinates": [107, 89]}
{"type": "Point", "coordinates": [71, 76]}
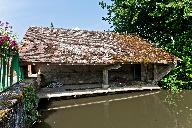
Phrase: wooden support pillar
{"type": "Point", "coordinates": [146, 72]}
{"type": "Point", "coordinates": [105, 79]}
{"type": "Point", "coordinates": [155, 72]}
{"type": "Point", "coordinates": [134, 74]}
{"type": "Point", "coordinates": [142, 72]}
{"type": "Point", "coordinates": [105, 74]}
{"type": "Point", "coordinates": [39, 80]}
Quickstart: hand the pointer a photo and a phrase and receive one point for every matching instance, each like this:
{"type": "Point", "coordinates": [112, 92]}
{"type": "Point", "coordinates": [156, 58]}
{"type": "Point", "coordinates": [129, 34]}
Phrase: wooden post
{"type": "Point", "coordinates": [39, 79]}
{"type": "Point", "coordinates": [105, 78]}
{"type": "Point", "coordinates": [142, 72]}
{"type": "Point", "coordinates": [146, 72]}
{"type": "Point", "coordinates": [134, 72]}
{"type": "Point", "coordinates": [155, 72]}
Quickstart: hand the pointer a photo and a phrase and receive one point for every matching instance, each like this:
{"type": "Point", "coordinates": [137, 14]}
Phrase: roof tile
{"type": "Point", "coordinates": [57, 45]}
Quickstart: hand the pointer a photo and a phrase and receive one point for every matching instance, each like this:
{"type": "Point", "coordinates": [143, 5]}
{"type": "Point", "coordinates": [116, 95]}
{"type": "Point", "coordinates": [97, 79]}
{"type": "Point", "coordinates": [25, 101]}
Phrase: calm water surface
{"type": "Point", "coordinates": [130, 110]}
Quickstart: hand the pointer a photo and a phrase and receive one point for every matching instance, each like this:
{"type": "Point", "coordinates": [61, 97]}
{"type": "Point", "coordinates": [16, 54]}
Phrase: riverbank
{"type": "Point", "coordinates": [15, 107]}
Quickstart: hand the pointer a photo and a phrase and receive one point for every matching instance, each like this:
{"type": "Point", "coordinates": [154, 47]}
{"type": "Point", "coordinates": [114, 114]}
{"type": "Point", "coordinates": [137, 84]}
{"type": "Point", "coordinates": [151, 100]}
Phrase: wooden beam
{"type": "Point", "coordinates": [117, 66]}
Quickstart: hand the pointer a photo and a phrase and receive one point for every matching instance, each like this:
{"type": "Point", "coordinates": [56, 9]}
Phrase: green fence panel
{"type": "Point", "coordinates": [7, 69]}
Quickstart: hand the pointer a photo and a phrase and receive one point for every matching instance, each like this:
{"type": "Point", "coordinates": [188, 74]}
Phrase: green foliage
{"type": "Point", "coordinates": [183, 73]}
{"type": "Point", "coordinates": [167, 23]}
{"type": "Point", "coordinates": [180, 77]}
{"type": "Point", "coordinates": [8, 54]}
{"type": "Point", "coordinates": [30, 104]}
{"type": "Point", "coordinates": [7, 39]}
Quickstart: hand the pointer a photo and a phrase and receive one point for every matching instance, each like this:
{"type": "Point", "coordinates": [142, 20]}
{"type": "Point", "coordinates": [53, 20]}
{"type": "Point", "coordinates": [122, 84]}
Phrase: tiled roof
{"type": "Point", "coordinates": [57, 45]}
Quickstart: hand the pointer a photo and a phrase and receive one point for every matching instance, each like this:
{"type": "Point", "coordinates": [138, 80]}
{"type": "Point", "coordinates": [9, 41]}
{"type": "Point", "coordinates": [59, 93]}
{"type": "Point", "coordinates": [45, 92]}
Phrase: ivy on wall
{"type": "Point", "coordinates": [30, 104]}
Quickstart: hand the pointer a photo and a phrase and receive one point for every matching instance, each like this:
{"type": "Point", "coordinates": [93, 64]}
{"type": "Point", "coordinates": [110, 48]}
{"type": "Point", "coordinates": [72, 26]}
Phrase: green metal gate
{"type": "Point", "coordinates": [9, 68]}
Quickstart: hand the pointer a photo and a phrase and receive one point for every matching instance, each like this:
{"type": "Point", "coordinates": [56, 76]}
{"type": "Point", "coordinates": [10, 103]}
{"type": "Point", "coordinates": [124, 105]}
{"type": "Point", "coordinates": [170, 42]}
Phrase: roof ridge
{"type": "Point", "coordinates": [42, 27]}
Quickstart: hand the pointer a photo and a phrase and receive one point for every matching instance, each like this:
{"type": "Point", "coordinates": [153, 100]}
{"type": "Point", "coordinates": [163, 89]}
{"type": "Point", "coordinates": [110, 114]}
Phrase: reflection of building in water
{"type": "Point", "coordinates": [106, 109]}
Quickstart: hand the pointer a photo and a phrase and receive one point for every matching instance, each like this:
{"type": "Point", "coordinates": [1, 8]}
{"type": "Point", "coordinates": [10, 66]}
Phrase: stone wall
{"type": "Point", "coordinates": [92, 74]}
{"type": "Point", "coordinates": [72, 74]}
{"type": "Point", "coordinates": [161, 70]}
{"type": "Point", "coordinates": [12, 112]}
{"type": "Point", "coordinates": [121, 75]}
{"type": "Point", "coordinates": [147, 72]}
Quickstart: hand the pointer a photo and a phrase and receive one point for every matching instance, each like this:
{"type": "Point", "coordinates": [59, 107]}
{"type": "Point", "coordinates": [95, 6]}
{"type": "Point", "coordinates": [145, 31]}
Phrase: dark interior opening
{"type": "Point", "coordinates": [25, 70]}
{"type": "Point", "coordinates": [33, 69]}
{"type": "Point", "coordinates": [137, 72]}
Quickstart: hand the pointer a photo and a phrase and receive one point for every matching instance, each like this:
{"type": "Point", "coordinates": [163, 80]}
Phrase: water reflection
{"type": "Point", "coordinates": [180, 107]}
{"type": "Point", "coordinates": [134, 110]}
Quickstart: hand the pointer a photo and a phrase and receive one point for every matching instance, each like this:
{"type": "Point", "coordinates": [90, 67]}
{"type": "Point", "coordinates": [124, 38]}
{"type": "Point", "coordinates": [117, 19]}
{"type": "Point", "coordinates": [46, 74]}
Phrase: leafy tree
{"type": "Point", "coordinates": [167, 23]}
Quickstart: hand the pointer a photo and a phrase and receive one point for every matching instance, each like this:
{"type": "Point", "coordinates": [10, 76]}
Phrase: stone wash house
{"type": "Point", "coordinates": [81, 57]}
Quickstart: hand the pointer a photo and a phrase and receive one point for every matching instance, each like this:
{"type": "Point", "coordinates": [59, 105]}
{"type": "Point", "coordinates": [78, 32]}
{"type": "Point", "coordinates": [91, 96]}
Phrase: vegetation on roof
{"type": "Point", "coordinates": [57, 45]}
{"type": "Point", "coordinates": [167, 23]}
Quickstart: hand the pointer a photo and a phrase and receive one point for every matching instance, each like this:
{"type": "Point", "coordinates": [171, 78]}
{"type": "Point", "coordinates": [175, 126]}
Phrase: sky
{"type": "Point", "coordinates": [70, 14]}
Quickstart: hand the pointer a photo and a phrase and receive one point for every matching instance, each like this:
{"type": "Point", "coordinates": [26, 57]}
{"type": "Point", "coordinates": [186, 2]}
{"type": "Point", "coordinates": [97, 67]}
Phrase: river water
{"type": "Point", "coordinates": [129, 110]}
